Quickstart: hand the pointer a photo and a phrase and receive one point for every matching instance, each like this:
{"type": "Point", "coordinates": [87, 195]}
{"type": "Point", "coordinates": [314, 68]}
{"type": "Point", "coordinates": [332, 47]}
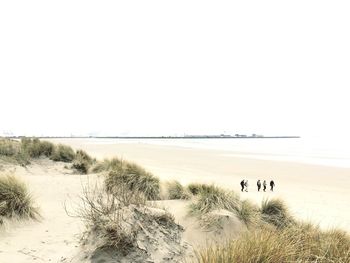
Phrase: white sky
{"type": "Point", "coordinates": [167, 67]}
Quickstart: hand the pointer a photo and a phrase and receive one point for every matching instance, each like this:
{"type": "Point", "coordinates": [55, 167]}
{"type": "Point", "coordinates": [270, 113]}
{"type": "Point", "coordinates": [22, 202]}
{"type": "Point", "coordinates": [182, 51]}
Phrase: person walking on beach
{"type": "Point", "coordinates": [272, 184]}
{"type": "Point", "coordinates": [242, 185]}
{"type": "Point", "coordinates": [259, 185]}
{"type": "Point", "coordinates": [246, 185]}
{"type": "Point", "coordinates": [264, 185]}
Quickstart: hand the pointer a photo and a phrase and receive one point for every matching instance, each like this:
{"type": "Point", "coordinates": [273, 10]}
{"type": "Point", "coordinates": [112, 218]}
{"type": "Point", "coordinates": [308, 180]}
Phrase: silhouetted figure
{"type": "Point", "coordinates": [259, 185]}
{"type": "Point", "coordinates": [264, 185]}
{"type": "Point", "coordinates": [272, 184]}
{"type": "Point", "coordinates": [246, 185]}
{"type": "Point", "coordinates": [242, 185]}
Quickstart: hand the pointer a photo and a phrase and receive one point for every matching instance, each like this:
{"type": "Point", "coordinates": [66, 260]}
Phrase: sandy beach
{"type": "Point", "coordinates": [313, 192]}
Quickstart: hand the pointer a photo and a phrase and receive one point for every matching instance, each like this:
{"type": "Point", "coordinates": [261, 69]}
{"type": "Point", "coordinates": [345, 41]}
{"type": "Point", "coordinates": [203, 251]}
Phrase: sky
{"type": "Point", "coordinates": [174, 67]}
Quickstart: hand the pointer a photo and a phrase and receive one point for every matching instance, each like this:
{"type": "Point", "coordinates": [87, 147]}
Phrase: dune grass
{"type": "Point", "coordinates": [275, 212]}
{"type": "Point", "coordinates": [177, 191]}
{"type": "Point", "coordinates": [259, 245]}
{"type": "Point", "coordinates": [15, 199]}
{"type": "Point", "coordinates": [278, 237]}
{"type": "Point", "coordinates": [273, 234]}
{"type": "Point", "coordinates": [12, 152]}
{"type": "Point", "coordinates": [102, 213]}
{"type": "Point", "coordinates": [63, 153]}
{"type": "Point", "coordinates": [248, 213]}
{"type": "Point", "coordinates": [135, 178]}
{"type": "Point", "coordinates": [210, 198]}
{"type": "Point", "coordinates": [22, 152]}
{"type": "Point", "coordinates": [214, 198]}
{"type": "Point", "coordinates": [318, 245]}
{"type": "Point", "coordinates": [9, 147]}
{"type": "Point", "coordinates": [107, 165]}
{"type": "Point", "coordinates": [36, 148]}
{"type": "Point", "coordinates": [195, 188]}
{"type": "Point", "coordinates": [82, 162]}
{"type": "Point", "coordinates": [302, 243]}
{"type": "Point", "coordinates": [117, 218]}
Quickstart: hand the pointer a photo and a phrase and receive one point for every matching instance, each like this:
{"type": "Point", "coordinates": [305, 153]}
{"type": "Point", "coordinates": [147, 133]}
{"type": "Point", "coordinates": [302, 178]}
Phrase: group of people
{"type": "Point", "coordinates": [244, 185]}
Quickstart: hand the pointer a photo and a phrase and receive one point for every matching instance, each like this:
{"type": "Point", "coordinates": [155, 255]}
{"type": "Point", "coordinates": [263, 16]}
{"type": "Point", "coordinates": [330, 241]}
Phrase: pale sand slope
{"type": "Point", "coordinates": [55, 238]}
{"type": "Point", "coordinates": [194, 234]}
{"type": "Point", "coordinates": [56, 235]}
{"type": "Point", "coordinates": [313, 192]}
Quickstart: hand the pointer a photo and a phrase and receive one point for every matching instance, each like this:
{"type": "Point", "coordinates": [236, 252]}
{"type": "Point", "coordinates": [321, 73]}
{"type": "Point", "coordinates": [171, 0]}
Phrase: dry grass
{"type": "Point", "coordinates": [248, 213]}
{"type": "Point", "coordinates": [27, 149]}
{"type": "Point", "coordinates": [102, 213]}
{"type": "Point", "coordinates": [260, 245]}
{"type": "Point", "coordinates": [213, 198]}
{"type": "Point", "coordinates": [15, 199]}
{"type": "Point", "coordinates": [195, 188]}
{"type": "Point", "coordinates": [63, 153]}
{"type": "Point", "coordinates": [275, 212]}
{"type": "Point", "coordinates": [177, 191]}
{"type": "Point", "coordinates": [117, 218]}
{"type": "Point", "coordinates": [318, 245]}
{"type": "Point", "coordinates": [107, 165]}
{"type": "Point", "coordinates": [135, 178]}
{"type": "Point", "coordinates": [9, 147]}
{"type": "Point", "coordinates": [82, 162]}
{"type": "Point", "coordinates": [279, 238]}
{"type": "Point", "coordinates": [290, 244]}
{"type": "Point", "coordinates": [36, 148]}
{"type": "Point", "coordinates": [12, 152]}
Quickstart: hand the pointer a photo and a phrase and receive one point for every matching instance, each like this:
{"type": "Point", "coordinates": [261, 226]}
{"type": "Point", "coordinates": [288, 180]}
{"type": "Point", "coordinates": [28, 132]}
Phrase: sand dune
{"type": "Point", "coordinates": [313, 192]}
{"type": "Point", "coordinates": [56, 236]}
{"type": "Point", "coordinates": [53, 237]}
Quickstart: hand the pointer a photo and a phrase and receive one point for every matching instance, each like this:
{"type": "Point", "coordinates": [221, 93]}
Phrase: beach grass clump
{"type": "Point", "coordinates": [102, 213]}
{"type": "Point", "coordinates": [107, 165]}
{"type": "Point", "coordinates": [279, 238]}
{"type": "Point", "coordinates": [11, 151]}
{"type": "Point", "coordinates": [275, 212]}
{"type": "Point", "coordinates": [117, 223]}
{"type": "Point", "coordinates": [259, 245]}
{"type": "Point", "coordinates": [302, 242]}
{"type": "Point", "coordinates": [248, 212]}
{"type": "Point", "coordinates": [82, 162]}
{"type": "Point", "coordinates": [22, 152]}
{"type": "Point", "coordinates": [84, 156]}
{"type": "Point", "coordinates": [334, 246]}
{"type": "Point", "coordinates": [9, 147]}
{"type": "Point", "coordinates": [177, 191]}
{"type": "Point", "coordinates": [36, 148]}
{"type": "Point", "coordinates": [63, 153]}
{"type": "Point", "coordinates": [196, 188]}
{"type": "Point", "coordinates": [15, 199]}
{"type": "Point", "coordinates": [135, 178]}
{"type": "Point", "coordinates": [214, 198]}
{"type": "Point", "coordinates": [318, 245]}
